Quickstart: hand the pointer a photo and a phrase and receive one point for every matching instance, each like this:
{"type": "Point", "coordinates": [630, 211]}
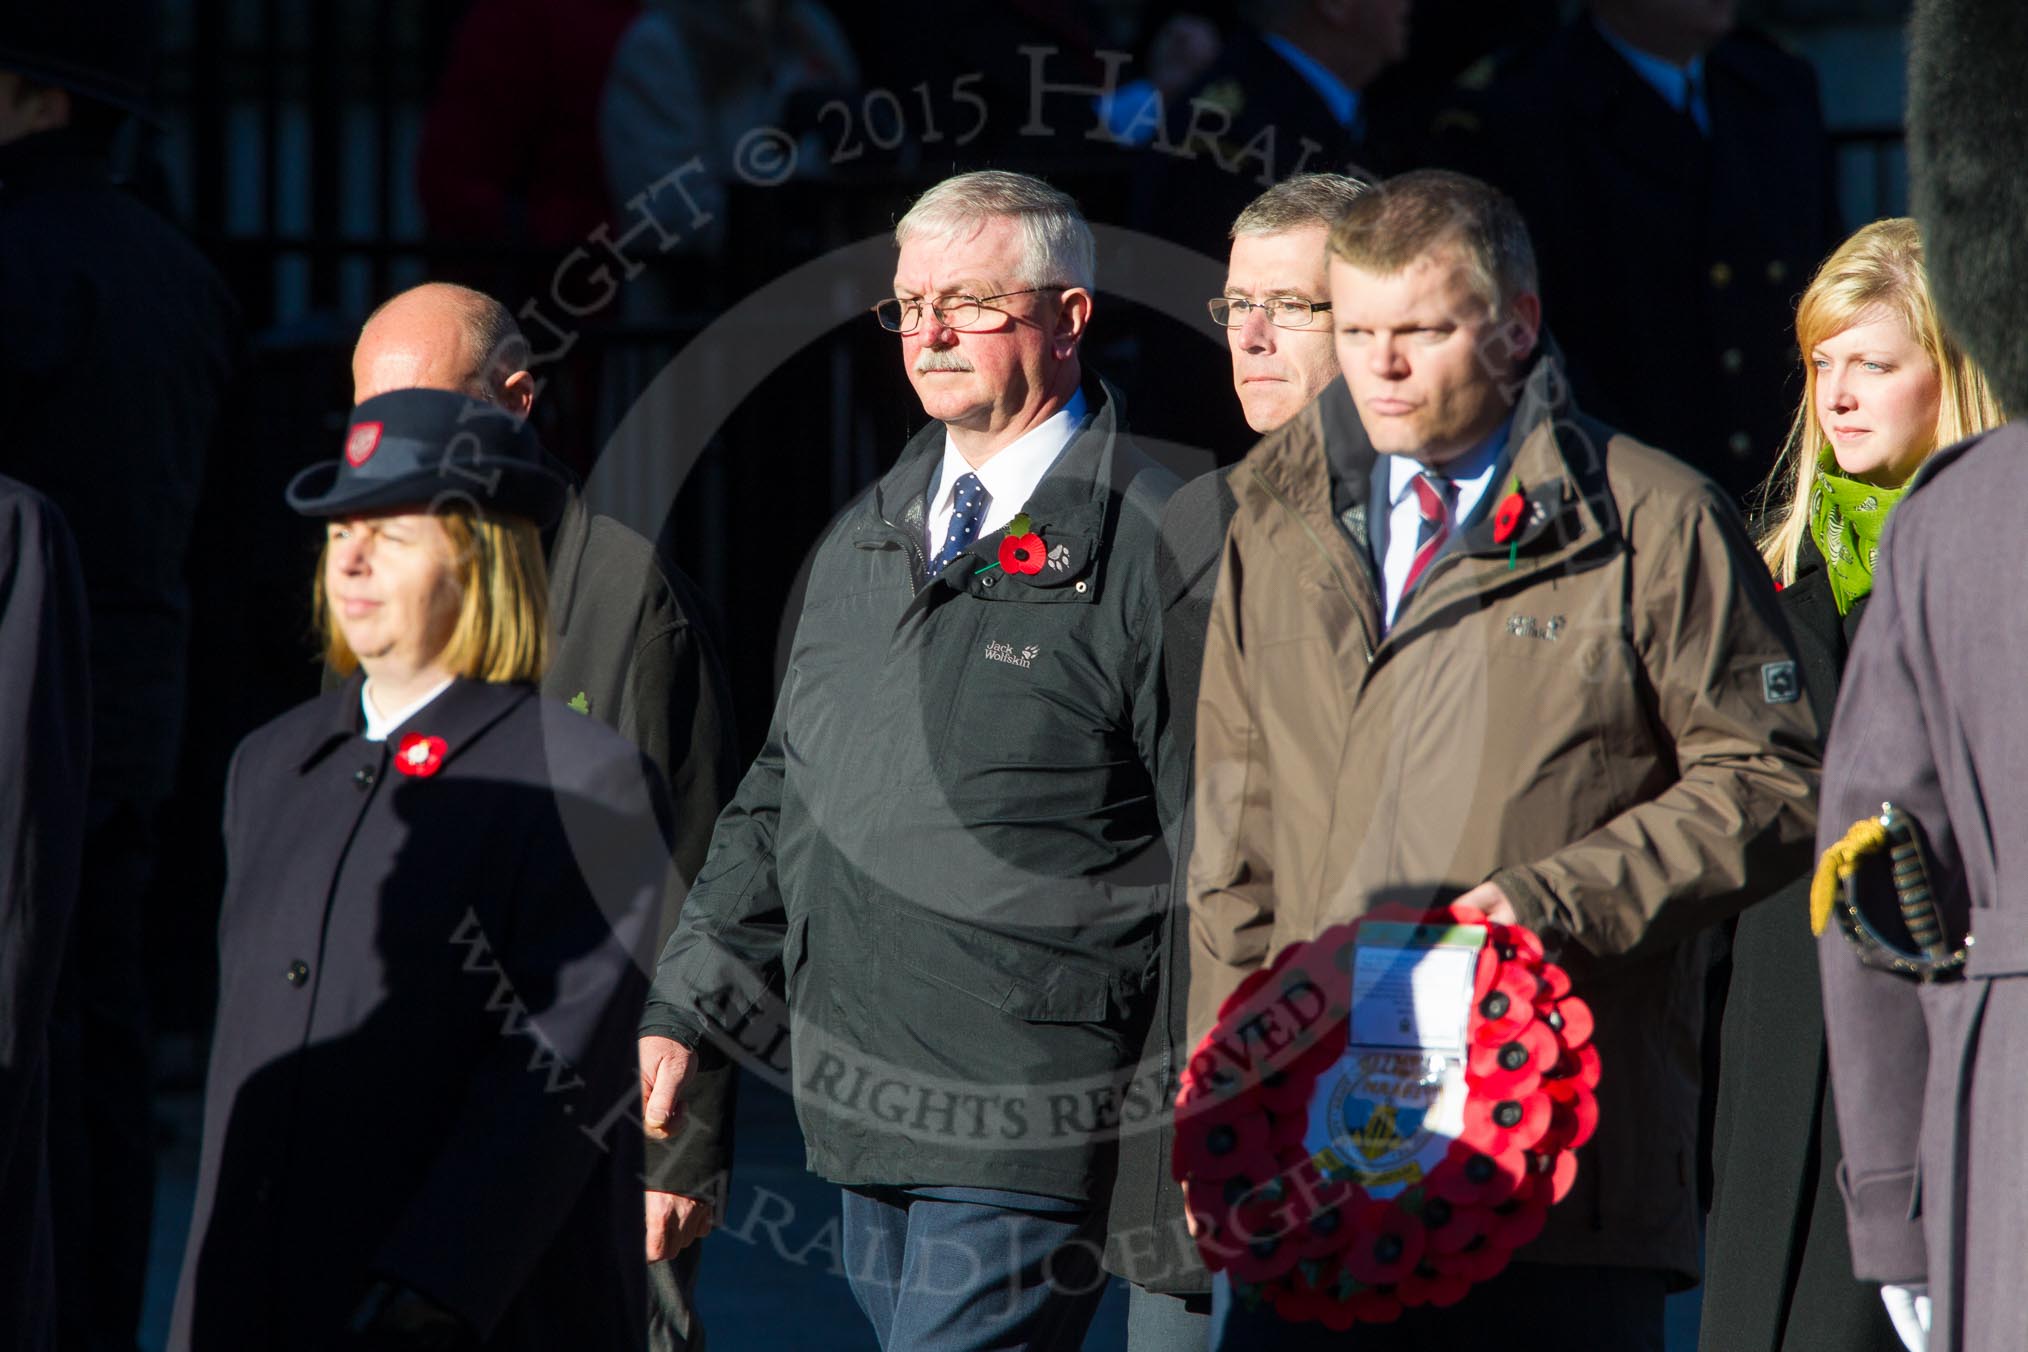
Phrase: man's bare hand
{"type": "Point", "coordinates": [675, 1222]}
{"type": "Point", "coordinates": [1489, 898]}
{"type": "Point", "coordinates": [665, 1067]}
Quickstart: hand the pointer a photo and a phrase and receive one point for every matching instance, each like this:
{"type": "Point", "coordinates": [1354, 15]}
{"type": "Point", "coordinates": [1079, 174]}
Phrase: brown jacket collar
{"type": "Point", "coordinates": [1320, 464]}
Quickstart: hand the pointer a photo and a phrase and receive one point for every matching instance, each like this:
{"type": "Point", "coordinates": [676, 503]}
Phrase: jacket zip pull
{"type": "Point", "coordinates": [913, 546]}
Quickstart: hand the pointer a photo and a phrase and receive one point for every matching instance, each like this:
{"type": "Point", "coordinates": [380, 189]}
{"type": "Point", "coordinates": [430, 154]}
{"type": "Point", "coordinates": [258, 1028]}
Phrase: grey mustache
{"type": "Point", "coordinates": [930, 360]}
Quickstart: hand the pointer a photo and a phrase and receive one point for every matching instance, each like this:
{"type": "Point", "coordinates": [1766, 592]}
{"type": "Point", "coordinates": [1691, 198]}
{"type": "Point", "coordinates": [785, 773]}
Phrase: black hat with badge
{"type": "Point", "coordinates": [433, 449]}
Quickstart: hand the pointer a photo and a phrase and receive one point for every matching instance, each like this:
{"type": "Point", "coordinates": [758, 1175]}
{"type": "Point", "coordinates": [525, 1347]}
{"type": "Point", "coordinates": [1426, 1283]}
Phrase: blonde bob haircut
{"type": "Point", "coordinates": [502, 632]}
{"type": "Point", "coordinates": [1879, 269]}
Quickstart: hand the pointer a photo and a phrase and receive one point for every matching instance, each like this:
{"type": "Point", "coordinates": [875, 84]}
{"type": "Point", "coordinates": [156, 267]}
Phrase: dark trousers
{"type": "Point", "coordinates": [935, 1274]}
{"type": "Point", "coordinates": [1161, 1323]}
{"type": "Point", "coordinates": [1531, 1307]}
{"type": "Point", "coordinates": [673, 1325]}
{"type": "Point", "coordinates": [101, 1127]}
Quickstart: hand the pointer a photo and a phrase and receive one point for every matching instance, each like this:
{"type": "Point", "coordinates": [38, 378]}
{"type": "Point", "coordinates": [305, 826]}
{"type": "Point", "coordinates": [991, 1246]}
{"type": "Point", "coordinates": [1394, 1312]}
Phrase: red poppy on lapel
{"type": "Point", "coordinates": [419, 755]}
{"type": "Point", "coordinates": [1022, 553]}
{"type": "Point", "coordinates": [1507, 516]}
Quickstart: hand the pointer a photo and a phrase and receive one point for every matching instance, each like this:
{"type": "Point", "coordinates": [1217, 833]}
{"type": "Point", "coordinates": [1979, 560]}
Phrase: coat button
{"type": "Point", "coordinates": [364, 777]}
{"type": "Point", "coordinates": [1733, 360]}
{"type": "Point", "coordinates": [1721, 275]}
{"type": "Point", "coordinates": [988, 580]}
{"type": "Point", "coordinates": [1081, 589]}
{"type": "Point", "coordinates": [298, 973]}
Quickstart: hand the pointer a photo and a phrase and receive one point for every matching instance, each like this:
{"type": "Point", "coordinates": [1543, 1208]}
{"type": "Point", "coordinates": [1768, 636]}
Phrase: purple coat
{"type": "Point", "coordinates": [1929, 1079]}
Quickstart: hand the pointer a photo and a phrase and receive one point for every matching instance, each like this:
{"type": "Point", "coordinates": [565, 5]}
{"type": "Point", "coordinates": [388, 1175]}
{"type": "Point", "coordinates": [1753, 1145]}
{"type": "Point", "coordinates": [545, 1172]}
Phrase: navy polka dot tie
{"type": "Point", "coordinates": [969, 502]}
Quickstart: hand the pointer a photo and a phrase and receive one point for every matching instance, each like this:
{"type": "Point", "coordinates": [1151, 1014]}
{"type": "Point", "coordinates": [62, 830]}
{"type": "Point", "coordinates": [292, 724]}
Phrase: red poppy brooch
{"type": "Point", "coordinates": [1341, 1184]}
{"type": "Point", "coordinates": [1023, 551]}
{"type": "Point", "coordinates": [1507, 521]}
{"type": "Point", "coordinates": [419, 755]}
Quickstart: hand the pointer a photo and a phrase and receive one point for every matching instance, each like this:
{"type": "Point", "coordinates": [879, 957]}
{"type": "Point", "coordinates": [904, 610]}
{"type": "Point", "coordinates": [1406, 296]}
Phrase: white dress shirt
{"type": "Point", "coordinates": [1009, 477]}
{"type": "Point", "coordinates": [378, 725]}
{"type": "Point", "coordinates": [1471, 474]}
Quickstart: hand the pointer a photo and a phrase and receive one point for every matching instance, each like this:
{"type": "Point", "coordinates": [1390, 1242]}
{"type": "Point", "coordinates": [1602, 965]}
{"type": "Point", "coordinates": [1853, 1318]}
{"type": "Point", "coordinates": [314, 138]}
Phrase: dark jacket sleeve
{"type": "Point", "coordinates": [725, 956]}
{"type": "Point", "coordinates": [1144, 1244]}
{"type": "Point", "coordinates": [1882, 749]}
{"type": "Point", "coordinates": [675, 708]}
{"type": "Point", "coordinates": [44, 743]}
{"type": "Point", "coordinates": [519, 1156]}
{"type": "Point", "coordinates": [636, 640]}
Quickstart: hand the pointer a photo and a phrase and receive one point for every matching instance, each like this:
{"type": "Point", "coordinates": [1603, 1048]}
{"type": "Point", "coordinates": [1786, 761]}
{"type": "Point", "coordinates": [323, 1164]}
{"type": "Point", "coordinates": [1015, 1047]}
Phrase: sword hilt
{"type": "Point", "coordinates": [1908, 870]}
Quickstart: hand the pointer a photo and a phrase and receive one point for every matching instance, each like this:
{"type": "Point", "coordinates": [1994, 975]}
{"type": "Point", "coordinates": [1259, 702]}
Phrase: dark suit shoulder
{"type": "Point", "coordinates": [1202, 503]}
{"type": "Point", "coordinates": [1755, 55]}
{"type": "Point", "coordinates": [1194, 523]}
{"type": "Point", "coordinates": [26, 515]}
{"type": "Point", "coordinates": [1507, 96]}
{"type": "Point", "coordinates": [619, 566]}
{"type": "Point", "coordinates": [1143, 479]}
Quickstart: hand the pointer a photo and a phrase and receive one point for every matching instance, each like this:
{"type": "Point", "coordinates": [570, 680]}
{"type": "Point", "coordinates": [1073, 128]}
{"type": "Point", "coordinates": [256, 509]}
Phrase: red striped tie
{"type": "Point", "coordinates": [1433, 501]}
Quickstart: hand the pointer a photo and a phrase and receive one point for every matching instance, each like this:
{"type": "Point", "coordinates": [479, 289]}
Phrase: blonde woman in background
{"type": "Point", "coordinates": [1883, 387]}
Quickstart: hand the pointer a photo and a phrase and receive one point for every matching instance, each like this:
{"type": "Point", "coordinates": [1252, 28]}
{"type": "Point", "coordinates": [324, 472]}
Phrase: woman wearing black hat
{"type": "Point", "coordinates": [438, 888]}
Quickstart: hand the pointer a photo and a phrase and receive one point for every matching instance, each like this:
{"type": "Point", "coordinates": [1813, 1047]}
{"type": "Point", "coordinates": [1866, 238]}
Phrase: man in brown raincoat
{"type": "Point", "coordinates": [1587, 719]}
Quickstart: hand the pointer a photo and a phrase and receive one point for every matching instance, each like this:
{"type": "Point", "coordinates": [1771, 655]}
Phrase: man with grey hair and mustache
{"type": "Point", "coordinates": [949, 857]}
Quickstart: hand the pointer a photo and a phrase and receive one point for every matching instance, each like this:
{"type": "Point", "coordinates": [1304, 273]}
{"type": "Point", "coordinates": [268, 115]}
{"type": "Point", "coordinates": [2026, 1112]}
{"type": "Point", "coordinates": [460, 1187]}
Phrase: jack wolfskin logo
{"type": "Point", "coordinates": [1779, 683]}
{"type": "Point", "coordinates": [1004, 652]}
{"type": "Point", "coordinates": [1527, 626]}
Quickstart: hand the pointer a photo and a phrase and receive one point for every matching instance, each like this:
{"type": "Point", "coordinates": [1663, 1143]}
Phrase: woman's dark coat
{"type": "Point", "coordinates": [45, 714]}
{"type": "Point", "coordinates": [428, 987]}
{"type": "Point", "coordinates": [1777, 1267]}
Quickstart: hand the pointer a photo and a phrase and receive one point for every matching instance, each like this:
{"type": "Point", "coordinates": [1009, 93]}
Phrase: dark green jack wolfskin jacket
{"type": "Point", "coordinates": [949, 855]}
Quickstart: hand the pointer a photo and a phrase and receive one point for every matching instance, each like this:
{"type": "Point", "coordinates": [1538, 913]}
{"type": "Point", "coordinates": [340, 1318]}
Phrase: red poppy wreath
{"type": "Point", "coordinates": [1335, 1202]}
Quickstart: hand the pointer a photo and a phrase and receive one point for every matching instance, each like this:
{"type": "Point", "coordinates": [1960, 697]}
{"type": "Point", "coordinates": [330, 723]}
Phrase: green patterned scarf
{"type": "Point", "coordinates": [1846, 517]}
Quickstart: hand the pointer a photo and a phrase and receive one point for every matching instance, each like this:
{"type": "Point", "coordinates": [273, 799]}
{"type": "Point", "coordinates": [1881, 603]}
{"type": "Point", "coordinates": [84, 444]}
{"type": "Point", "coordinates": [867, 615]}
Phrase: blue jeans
{"type": "Point", "coordinates": [965, 1270]}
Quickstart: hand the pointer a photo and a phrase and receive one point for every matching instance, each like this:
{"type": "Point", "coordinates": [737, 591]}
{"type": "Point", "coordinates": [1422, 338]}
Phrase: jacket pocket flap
{"type": "Point", "coordinates": [1016, 976]}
